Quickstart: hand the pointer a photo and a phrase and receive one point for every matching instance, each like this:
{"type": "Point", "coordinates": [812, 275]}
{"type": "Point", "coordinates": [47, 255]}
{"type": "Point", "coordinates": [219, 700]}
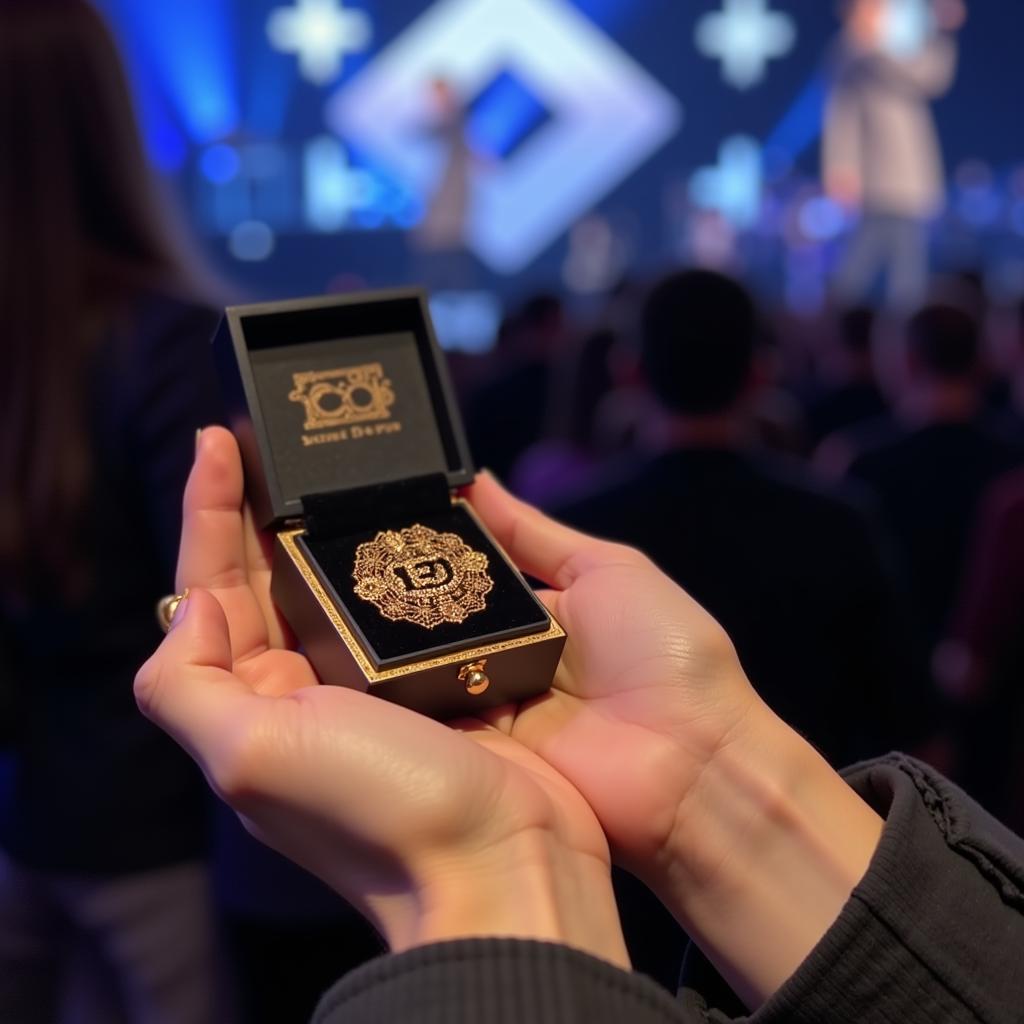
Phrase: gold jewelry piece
{"type": "Point", "coordinates": [418, 575]}
{"type": "Point", "coordinates": [166, 607]}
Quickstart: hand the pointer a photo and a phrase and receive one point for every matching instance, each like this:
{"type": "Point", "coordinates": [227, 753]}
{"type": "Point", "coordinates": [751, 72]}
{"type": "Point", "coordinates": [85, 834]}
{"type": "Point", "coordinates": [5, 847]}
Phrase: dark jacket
{"type": "Point", "coordinates": [929, 483]}
{"type": "Point", "coordinates": [89, 786]}
{"type": "Point", "coordinates": [934, 932]}
{"type": "Point", "coordinates": [799, 577]}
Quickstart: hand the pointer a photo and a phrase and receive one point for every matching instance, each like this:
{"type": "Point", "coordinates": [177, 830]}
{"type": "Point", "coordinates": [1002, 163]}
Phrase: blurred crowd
{"type": "Point", "coordinates": [845, 494]}
{"type": "Point", "coordinates": [840, 493]}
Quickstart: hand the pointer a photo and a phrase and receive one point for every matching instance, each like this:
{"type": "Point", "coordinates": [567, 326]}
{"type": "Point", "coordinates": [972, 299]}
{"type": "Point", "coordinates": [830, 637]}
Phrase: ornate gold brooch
{"type": "Point", "coordinates": [421, 576]}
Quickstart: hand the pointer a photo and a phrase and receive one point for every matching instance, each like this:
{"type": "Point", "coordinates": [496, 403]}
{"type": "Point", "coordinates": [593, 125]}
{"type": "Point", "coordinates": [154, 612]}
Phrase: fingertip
{"type": "Point", "coordinates": [490, 497]}
{"type": "Point", "coordinates": [218, 446]}
{"type": "Point", "coordinates": [216, 480]}
{"type": "Point", "coordinates": [214, 435]}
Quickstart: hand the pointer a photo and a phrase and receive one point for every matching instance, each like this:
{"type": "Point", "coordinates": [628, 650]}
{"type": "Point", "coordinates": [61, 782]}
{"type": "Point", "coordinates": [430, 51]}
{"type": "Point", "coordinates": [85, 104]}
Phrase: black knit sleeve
{"type": "Point", "coordinates": [935, 931]}
{"type": "Point", "coordinates": [500, 981]}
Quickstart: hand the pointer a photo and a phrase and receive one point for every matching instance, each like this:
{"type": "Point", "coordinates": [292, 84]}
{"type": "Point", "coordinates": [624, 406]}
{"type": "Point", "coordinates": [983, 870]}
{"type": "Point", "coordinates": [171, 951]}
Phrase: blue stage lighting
{"type": "Point", "coordinates": [504, 116]}
{"type": "Point", "coordinates": [745, 35]}
{"type": "Point", "coordinates": [1017, 216]}
{"type": "Point", "coordinates": [800, 127]}
{"type": "Point", "coordinates": [980, 206]}
{"type": "Point", "coordinates": [466, 321]}
{"type": "Point", "coordinates": [906, 26]}
{"type": "Point", "coordinates": [733, 187]}
{"type": "Point", "coordinates": [269, 90]}
{"type": "Point", "coordinates": [332, 186]}
{"type": "Point", "coordinates": [252, 241]}
{"type": "Point", "coordinates": [822, 219]}
{"type": "Point", "coordinates": [610, 14]}
{"type": "Point", "coordinates": [186, 49]}
{"type": "Point", "coordinates": [166, 145]}
{"type": "Point", "coordinates": [220, 164]}
{"type": "Point", "coordinates": [409, 215]}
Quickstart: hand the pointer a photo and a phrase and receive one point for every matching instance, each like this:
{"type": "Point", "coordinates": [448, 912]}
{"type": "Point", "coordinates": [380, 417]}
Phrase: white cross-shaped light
{"type": "Point", "coordinates": [321, 33]}
{"type": "Point", "coordinates": [733, 187]}
{"type": "Point", "coordinates": [744, 36]}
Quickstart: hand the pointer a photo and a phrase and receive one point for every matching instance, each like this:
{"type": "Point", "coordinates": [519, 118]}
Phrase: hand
{"type": "Point", "coordinates": [649, 688]}
{"type": "Point", "coordinates": [433, 832]}
{"type": "Point", "coordinates": [844, 186]}
{"type": "Point", "coordinates": [950, 15]}
{"type": "Point", "coordinates": [743, 831]}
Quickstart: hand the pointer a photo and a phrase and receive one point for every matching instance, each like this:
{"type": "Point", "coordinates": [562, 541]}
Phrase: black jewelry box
{"type": "Point", "coordinates": [353, 450]}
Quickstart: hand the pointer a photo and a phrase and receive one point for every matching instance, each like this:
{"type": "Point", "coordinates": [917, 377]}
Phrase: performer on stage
{"type": "Point", "coordinates": [441, 238]}
{"type": "Point", "coordinates": [881, 151]}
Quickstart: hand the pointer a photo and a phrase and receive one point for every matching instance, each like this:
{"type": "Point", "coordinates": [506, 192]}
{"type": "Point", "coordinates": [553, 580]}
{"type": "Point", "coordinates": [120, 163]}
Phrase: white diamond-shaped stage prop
{"type": "Point", "coordinates": [608, 116]}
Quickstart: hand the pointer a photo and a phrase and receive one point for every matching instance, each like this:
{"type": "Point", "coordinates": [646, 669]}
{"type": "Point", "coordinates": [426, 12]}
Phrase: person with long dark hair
{"type": "Point", "coordinates": [104, 906]}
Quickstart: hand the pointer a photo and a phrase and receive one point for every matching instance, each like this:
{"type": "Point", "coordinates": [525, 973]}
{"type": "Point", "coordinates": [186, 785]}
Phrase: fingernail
{"type": "Point", "coordinates": [199, 437]}
{"type": "Point", "coordinates": [181, 608]}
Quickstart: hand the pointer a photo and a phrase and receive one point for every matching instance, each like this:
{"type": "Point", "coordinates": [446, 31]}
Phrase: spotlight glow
{"type": "Point", "coordinates": [745, 35]}
{"type": "Point", "coordinates": [321, 33]}
{"type": "Point", "coordinates": [734, 186]}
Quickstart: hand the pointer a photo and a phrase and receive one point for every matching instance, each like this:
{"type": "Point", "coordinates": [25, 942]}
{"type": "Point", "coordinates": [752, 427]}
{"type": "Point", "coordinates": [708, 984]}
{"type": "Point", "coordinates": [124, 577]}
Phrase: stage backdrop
{"type": "Point", "coordinates": [303, 138]}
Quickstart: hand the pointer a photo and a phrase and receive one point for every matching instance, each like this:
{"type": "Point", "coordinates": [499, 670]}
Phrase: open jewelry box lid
{"type": "Point", "coordinates": [335, 394]}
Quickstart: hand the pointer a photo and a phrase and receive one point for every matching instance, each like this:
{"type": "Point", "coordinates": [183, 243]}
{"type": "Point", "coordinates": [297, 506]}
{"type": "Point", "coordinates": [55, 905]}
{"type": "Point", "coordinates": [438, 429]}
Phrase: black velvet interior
{"type": "Point", "coordinates": [512, 609]}
{"type": "Point", "coordinates": [380, 506]}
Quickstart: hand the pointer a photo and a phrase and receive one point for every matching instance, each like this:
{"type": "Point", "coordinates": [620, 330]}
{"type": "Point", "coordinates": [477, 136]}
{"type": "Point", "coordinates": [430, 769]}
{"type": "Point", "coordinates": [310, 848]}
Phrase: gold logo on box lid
{"type": "Point", "coordinates": [421, 576]}
{"type": "Point", "coordinates": [338, 398]}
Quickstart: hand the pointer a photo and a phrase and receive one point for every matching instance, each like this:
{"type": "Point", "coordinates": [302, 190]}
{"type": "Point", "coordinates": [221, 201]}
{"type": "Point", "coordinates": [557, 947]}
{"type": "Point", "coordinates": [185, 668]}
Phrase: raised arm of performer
{"type": "Point", "coordinates": [932, 70]}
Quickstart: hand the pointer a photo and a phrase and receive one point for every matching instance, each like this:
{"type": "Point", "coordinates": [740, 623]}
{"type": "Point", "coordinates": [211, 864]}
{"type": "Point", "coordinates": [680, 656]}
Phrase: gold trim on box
{"type": "Point", "coordinates": [288, 541]}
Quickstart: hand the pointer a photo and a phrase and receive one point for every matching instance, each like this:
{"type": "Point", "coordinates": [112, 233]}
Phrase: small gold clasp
{"type": "Point", "coordinates": [474, 677]}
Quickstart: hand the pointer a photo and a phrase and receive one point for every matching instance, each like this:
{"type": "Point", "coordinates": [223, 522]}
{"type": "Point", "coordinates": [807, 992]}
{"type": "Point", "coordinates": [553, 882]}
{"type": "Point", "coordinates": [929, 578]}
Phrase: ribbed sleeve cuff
{"type": "Point", "coordinates": [500, 981]}
{"type": "Point", "coordinates": [916, 940]}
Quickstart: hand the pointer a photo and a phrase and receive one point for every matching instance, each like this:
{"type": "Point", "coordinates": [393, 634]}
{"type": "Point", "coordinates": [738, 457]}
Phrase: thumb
{"type": "Point", "coordinates": [187, 687]}
{"type": "Point", "coordinates": [551, 552]}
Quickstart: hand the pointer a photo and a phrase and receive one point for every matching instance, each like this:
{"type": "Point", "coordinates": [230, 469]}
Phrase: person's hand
{"type": "Point", "coordinates": [845, 187]}
{"type": "Point", "coordinates": [950, 15]}
{"type": "Point", "coordinates": [649, 688]}
{"type": "Point", "coordinates": [433, 832]}
{"type": "Point", "coordinates": [734, 821]}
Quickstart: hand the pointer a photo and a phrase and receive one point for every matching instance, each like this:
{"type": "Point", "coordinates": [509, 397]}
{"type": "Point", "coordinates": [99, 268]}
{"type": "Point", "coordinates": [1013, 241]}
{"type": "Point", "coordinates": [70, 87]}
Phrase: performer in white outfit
{"type": "Point", "coordinates": [881, 150]}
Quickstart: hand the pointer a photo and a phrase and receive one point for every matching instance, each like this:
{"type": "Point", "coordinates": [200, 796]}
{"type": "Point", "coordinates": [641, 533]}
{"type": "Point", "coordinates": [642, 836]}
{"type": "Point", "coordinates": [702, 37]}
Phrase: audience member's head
{"type": "Point", "coordinates": [856, 330]}
{"type": "Point", "coordinates": [945, 345]}
{"type": "Point", "coordinates": [543, 312]}
{"type": "Point", "coordinates": [966, 289]}
{"type": "Point", "coordinates": [583, 380]}
{"type": "Point", "coordinates": [535, 330]}
{"type": "Point", "coordinates": [699, 334]}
